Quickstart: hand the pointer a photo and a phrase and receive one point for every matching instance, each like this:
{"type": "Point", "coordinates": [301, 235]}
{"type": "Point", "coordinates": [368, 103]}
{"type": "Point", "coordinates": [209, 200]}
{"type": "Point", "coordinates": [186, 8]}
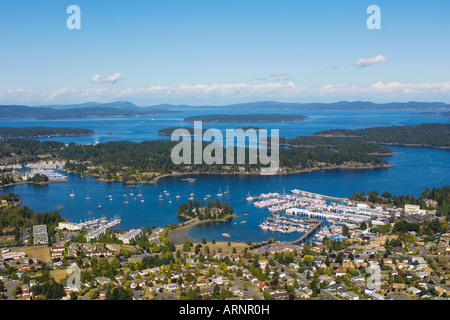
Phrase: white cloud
{"type": "Point", "coordinates": [371, 61]}
{"type": "Point", "coordinates": [237, 91]}
{"type": "Point", "coordinates": [106, 78]}
{"type": "Point", "coordinates": [334, 65]}
{"type": "Point", "coordinates": [280, 76]}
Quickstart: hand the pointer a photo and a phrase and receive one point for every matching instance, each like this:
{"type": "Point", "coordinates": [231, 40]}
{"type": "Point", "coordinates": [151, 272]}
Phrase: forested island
{"type": "Point", "coordinates": [168, 131]}
{"type": "Point", "coordinates": [143, 162]}
{"type": "Point", "coordinates": [263, 117]}
{"type": "Point", "coordinates": [211, 210]}
{"type": "Point", "coordinates": [435, 135]}
{"type": "Point", "coordinates": [40, 132]}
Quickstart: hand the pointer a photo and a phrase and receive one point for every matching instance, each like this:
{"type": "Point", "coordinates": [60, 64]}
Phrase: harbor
{"type": "Point", "coordinates": [314, 215]}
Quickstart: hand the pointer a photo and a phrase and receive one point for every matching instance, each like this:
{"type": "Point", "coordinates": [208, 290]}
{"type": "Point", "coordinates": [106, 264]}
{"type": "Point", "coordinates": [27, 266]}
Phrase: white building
{"type": "Point", "coordinates": [130, 235]}
{"type": "Point", "coordinates": [40, 235]}
{"type": "Point", "coordinates": [69, 226]}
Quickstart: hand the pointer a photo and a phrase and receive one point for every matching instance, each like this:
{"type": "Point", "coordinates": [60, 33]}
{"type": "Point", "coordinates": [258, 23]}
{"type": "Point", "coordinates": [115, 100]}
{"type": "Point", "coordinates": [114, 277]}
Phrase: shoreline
{"type": "Point", "coordinates": [31, 182]}
{"type": "Point", "coordinates": [178, 235]}
{"type": "Point", "coordinates": [179, 174]}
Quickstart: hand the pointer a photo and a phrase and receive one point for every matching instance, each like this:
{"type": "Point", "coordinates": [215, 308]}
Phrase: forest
{"type": "Point", "coordinates": [428, 134]}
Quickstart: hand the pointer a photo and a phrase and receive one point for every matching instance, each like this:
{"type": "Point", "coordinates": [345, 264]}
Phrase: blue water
{"type": "Point", "coordinates": [415, 168]}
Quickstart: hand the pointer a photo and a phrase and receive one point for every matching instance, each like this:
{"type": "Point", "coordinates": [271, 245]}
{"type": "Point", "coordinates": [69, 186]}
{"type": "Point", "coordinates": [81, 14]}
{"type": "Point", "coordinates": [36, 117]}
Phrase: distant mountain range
{"type": "Point", "coordinates": [79, 111]}
{"type": "Point", "coordinates": [344, 105]}
{"type": "Point", "coordinates": [128, 109]}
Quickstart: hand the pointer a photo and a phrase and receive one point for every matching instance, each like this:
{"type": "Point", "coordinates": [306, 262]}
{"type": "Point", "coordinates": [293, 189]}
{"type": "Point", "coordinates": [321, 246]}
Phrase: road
{"type": "Point", "coordinates": [10, 286]}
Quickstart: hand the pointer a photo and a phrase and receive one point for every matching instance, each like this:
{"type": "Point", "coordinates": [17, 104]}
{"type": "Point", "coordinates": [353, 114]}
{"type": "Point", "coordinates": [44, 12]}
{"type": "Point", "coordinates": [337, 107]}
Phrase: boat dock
{"type": "Point", "coordinates": [309, 233]}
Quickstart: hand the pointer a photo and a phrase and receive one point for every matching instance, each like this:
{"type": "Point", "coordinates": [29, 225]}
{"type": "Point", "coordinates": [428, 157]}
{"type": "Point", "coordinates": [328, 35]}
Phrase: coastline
{"type": "Point", "coordinates": [30, 182]}
{"type": "Point", "coordinates": [179, 174]}
{"type": "Point", "coordinates": [178, 235]}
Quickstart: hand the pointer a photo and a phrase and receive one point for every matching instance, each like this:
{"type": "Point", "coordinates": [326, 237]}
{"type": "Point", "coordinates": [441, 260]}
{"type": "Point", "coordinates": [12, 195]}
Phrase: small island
{"type": "Point", "coordinates": [270, 117]}
{"type": "Point", "coordinates": [42, 132]}
{"type": "Point", "coordinates": [168, 131]}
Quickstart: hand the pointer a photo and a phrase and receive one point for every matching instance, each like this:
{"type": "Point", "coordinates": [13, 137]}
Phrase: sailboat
{"type": "Point", "coordinates": [249, 197]}
{"type": "Point", "coordinates": [142, 199]}
{"type": "Point", "coordinates": [99, 206]}
{"type": "Point", "coordinates": [87, 198]}
{"type": "Point", "coordinates": [220, 192]}
{"type": "Point", "coordinates": [227, 190]}
{"type": "Point", "coordinates": [178, 196]}
{"type": "Point", "coordinates": [160, 197]}
{"type": "Point", "coordinates": [140, 193]}
{"type": "Point", "coordinates": [72, 194]}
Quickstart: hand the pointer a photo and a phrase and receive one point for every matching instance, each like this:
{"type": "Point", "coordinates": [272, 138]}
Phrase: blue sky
{"type": "Point", "coordinates": [219, 52]}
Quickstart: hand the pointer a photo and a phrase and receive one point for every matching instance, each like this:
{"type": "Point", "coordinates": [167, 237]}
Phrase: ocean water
{"type": "Point", "coordinates": [415, 168]}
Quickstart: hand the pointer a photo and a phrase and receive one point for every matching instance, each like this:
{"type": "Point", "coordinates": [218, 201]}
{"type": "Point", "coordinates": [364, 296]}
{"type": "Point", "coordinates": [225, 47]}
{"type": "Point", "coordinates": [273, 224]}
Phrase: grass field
{"type": "Point", "coordinates": [42, 253]}
{"type": "Point", "coordinates": [222, 245]}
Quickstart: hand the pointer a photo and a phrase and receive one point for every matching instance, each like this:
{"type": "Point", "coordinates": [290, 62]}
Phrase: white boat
{"type": "Point", "coordinates": [178, 196]}
{"type": "Point", "coordinates": [227, 190]}
{"type": "Point", "coordinates": [226, 235]}
{"type": "Point", "coordinates": [87, 197]}
{"type": "Point", "coordinates": [220, 192]}
{"type": "Point", "coordinates": [72, 194]}
{"type": "Point", "coordinates": [249, 197]}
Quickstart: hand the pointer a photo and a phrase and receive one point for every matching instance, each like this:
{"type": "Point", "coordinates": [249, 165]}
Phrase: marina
{"type": "Point", "coordinates": [306, 212]}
